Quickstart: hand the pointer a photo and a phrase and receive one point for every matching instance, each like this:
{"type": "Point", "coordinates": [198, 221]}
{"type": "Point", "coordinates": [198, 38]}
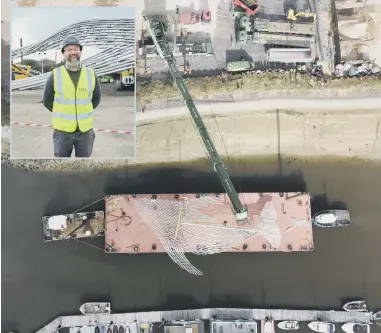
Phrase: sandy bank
{"type": "Point", "coordinates": [299, 133]}
{"type": "Point", "coordinates": [311, 132]}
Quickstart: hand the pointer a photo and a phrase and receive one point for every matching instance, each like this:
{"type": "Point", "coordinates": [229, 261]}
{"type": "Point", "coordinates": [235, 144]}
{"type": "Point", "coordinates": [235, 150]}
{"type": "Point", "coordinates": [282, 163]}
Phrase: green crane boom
{"type": "Point", "coordinates": [158, 31]}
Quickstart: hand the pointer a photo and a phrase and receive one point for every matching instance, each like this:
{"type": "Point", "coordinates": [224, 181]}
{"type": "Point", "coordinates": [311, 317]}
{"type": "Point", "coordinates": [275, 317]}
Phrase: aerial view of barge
{"type": "Point", "coordinates": [199, 223]}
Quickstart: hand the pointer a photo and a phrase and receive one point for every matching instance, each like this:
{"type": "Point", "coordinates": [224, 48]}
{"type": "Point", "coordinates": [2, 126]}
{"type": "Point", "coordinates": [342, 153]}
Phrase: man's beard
{"type": "Point", "coordinates": [73, 62]}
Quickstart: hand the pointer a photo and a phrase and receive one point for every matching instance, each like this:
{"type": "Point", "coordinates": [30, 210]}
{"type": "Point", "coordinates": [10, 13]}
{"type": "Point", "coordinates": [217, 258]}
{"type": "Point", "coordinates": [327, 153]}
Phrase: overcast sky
{"type": "Point", "coordinates": [33, 24]}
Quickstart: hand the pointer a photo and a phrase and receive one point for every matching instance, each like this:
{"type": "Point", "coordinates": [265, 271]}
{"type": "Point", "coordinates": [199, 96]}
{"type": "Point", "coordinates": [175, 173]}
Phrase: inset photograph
{"type": "Point", "coordinates": [73, 82]}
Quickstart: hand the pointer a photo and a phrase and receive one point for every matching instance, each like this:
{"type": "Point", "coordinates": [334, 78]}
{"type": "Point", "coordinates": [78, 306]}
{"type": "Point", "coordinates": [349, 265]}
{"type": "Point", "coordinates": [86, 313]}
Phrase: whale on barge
{"type": "Point", "coordinates": [191, 223]}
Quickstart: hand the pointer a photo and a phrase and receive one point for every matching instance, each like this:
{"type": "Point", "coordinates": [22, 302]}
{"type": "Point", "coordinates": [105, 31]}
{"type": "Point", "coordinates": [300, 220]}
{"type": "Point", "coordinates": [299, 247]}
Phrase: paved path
{"type": "Point", "coordinates": [245, 107]}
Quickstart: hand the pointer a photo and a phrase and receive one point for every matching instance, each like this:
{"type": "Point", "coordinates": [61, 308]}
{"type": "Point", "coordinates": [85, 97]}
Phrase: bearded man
{"type": "Point", "coordinates": [72, 92]}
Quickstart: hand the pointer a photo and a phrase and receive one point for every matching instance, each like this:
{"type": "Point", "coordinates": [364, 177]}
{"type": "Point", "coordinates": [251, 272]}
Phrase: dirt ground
{"type": "Point", "coordinates": [210, 87]}
{"type": "Point", "coordinates": [289, 132]}
{"type": "Point", "coordinates": [116, 111]}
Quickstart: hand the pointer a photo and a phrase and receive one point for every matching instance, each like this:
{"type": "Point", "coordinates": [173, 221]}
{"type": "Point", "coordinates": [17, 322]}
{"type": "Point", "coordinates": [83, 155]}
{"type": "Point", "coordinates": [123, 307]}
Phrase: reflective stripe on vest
{"type": "Point", "coordinates": [67, 110]}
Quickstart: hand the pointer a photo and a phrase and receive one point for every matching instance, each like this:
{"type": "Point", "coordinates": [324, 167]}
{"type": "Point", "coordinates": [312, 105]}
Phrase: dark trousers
{"type": "Point", "coordinates": [64, 143]}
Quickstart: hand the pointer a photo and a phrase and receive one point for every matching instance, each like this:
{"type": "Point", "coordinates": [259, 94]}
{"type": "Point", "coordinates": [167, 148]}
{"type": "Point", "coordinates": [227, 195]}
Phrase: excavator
{"type": "Point", "coordinates": [293, 15]}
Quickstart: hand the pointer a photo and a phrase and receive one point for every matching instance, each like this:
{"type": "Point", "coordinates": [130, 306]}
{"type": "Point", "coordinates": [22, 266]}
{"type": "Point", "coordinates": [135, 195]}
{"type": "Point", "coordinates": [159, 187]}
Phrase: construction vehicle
{"type": "Point", "coordinates": [20, 72]}
{"type": "Point", "coordinates": [124, 80]}
{"type": "Point", "coordinates": [250, 8]}
{"type": "Point", "coordinates": [284, 27]}
{"type": "Point", "coordinates": [292, 15]}
{"type": "Point", "coordinates": [158, 31]}
{"type": "Point", "coordinates": [235, 67]}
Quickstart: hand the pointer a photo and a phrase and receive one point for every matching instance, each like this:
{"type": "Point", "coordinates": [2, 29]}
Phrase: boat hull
{"type": "Point", "coordinates": [321, 327]}
{"type": "Point", "coordinates": [140, 229]}
{"type": "Point", "coordinates": [355, 328]}
{"type": "Point", "coordinates": [289, 325]}
{"type": "Point", "coordinates": [95, 308]}
{"type": "Point", "coordinates": [355, 306]}
{"type": "Point", "coordinates": [340, 219]}
{"type": "Point", "coordinates": [267, 326]}
{"type": "Point", "coordinates": [68, 226]}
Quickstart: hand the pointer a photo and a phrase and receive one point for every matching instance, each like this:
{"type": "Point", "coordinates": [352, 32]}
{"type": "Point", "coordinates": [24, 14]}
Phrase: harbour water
{"type": "Point", "coordinates": [42, 281]}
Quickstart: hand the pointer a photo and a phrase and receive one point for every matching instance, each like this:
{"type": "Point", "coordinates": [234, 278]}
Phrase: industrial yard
{"type": "Point", "coordinates": [297, 42]}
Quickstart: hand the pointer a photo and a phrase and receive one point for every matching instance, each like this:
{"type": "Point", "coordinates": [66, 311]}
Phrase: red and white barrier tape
{"type": "Point", "coordinates": [95, 129]}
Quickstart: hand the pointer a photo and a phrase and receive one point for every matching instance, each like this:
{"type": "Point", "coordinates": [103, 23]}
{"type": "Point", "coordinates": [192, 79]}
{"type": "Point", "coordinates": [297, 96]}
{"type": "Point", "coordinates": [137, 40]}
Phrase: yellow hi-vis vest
{"type": "Point", "coordinates": [72, 107]}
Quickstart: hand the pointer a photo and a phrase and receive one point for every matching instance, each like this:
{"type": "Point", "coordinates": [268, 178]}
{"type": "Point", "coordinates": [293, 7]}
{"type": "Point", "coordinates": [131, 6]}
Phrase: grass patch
{"type": "Point", "coordinates": [202, 87]}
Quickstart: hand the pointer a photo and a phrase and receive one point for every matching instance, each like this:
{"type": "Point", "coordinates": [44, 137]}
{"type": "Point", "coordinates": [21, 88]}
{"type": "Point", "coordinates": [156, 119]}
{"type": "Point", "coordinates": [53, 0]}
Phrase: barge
{"type": "Point", "coordinates": [191, 223]}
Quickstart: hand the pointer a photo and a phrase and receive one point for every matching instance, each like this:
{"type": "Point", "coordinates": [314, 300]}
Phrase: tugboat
{"type": "Point", "coordinates": [109, 330]}
{"type": "Point", "coordinates": [97, 329]}
{"type": "Point", "coordinates": [103, 329]}
{"type": "Point", "coordinates": [289, 325]}
{"type": "Point", "coordinates": [331, 219]}
{"type": "Point", "coordinates": [355, 306]}
{"type": "Point", "coordinates": [115, 329]}
{"type": "Point", "coordinates": [121, 329]}
{"type": "Point", "coordinates": [321, 327]}
{"type": "Point", "coordinates": [355, 328]}
{"type": "Point", "coordinates": [95, 308]}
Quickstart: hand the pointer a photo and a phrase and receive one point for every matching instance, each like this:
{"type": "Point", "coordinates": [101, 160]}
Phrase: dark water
{"type": "Point", "coordinates": [40, 282]}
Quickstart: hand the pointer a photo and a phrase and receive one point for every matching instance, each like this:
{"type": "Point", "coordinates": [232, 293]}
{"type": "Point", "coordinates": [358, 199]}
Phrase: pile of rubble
{"type": "Point", "coordinates": [347, 69]}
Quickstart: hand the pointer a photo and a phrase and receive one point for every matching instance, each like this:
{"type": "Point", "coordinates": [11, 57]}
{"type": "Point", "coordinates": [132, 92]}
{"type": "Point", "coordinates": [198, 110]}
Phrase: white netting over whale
{"type": "Point", "coordinates": [189, 226]}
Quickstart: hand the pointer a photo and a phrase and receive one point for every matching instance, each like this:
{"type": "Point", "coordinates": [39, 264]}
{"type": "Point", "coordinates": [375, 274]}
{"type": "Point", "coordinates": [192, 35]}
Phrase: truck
{"type": "Point", "coordinates": [124, 80]}
{"type": "Point", "coordinates": [239, 67]}
{"type": "Point", "coordinates": [265, 25]}
{"type": "Point", "coordinates": [290, 55]}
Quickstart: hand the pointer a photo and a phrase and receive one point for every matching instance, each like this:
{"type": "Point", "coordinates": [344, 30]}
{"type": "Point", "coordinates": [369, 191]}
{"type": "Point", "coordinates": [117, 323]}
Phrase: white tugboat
{"type": "Point", "coordinates": [355, 306]}
{"type": "Point", "coordinates": [95, 308]}
{"type": "Point", "coordinates": [355, 328]}
{"type": "Point", "coordinates": [289, 325]}
{"type": "Point", "coordinates": [331, 219]}
{"type": "Point", "coordinates": [321, 327]}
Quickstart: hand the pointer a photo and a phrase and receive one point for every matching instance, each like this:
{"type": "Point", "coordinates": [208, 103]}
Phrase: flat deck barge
{"type": "Point", "coordinates": [205, 223]}
{"type": "Point", "coordinates": [137, 320]}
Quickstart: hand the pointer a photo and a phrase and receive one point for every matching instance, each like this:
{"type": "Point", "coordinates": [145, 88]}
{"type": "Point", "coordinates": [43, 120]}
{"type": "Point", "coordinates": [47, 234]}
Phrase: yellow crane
{"type": "Point", "coordinates": [293, 16]}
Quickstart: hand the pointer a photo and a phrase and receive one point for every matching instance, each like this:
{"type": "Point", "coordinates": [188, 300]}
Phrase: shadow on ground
{"type": "Point", "coordinates": [237, 55]}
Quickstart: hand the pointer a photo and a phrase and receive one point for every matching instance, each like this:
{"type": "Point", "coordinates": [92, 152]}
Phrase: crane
{"type": "Point", "coordinates": [157, 28]}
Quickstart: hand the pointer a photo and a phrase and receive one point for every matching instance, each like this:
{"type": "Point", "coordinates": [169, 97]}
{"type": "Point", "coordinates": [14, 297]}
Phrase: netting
{"type": "Point", "coordinates": [195, 225]}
